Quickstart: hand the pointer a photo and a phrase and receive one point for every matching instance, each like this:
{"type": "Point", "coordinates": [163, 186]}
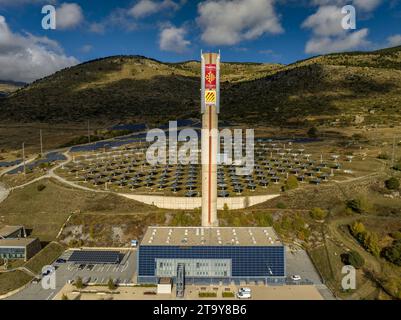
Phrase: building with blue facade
{"type": "Point", "coordinates": [211, 255]}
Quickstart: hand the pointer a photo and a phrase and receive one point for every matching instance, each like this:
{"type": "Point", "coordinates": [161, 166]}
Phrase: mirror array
{"type": "Point", "coordinates": [126, 169]}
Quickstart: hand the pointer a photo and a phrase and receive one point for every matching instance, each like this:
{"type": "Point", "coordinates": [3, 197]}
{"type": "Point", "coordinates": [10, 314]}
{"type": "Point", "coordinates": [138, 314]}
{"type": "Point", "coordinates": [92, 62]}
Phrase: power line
{"type": "Point", "coordinates": [41, 143]}
{"type": "Point", "coordinates": [23, 156]}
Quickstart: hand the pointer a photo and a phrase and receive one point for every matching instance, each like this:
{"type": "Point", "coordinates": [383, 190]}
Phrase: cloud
{"type": "Point", "coordinates": [325, 22]}
{"type": "Point", "coordinates": [365, 5]}
{"type": "Point", "coordinates": [97, 27]}
{"type": "Point", "coordinates": [346, 42]}
{"type": "Point", "coordinates": [328, 34]}
{"type": "Point", "coordinates": [225, 22]}
{"type": "Point", "coordinates": [117, 18]}
{"type": "Point", "coordinates": [86, 48]}
{"type": "Point", "coordinates": [144, 8]}
{"type": "Point", "coordinates": [24, 2]}
{"type": "Point", "coordinates": [394, 40]}
{"type": "Point", "coordinates": [267, 51]}
{"type": "Point", "coordinates": [173, 39]}
{"type": "Point", "coordinates": [69, 16]}
{"type": "Point", "coordinates": [27, 57]}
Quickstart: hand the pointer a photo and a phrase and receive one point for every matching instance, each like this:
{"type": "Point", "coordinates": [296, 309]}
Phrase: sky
{"type": "Point", "coordinates": [278, 31]}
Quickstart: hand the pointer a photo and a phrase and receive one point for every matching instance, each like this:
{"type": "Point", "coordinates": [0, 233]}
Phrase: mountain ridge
{"type": "Point", "coordinates": [323, 89]}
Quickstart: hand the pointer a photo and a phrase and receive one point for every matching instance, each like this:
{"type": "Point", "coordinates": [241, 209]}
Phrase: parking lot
{"type": "Point", "coordinates": [122, 273]}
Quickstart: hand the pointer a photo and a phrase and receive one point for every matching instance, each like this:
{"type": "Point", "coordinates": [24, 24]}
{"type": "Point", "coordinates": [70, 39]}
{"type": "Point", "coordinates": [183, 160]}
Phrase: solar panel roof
{"type": "Point", "coordinates": [93, 256]}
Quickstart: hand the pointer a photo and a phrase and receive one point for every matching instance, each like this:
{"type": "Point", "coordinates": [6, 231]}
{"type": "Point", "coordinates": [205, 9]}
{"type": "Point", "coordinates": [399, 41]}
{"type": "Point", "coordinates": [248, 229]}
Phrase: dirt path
{"type": "Point", "coordinates": [371, 262]}
{"type": "Point", "coordinates": [3, 193]}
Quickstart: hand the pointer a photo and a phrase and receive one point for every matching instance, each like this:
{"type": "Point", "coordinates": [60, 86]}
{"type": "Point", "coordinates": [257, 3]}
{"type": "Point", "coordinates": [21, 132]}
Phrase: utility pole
{"type": "Point", "coordinates": [41, 143]}
{"type": "Point", "coordinates": [89, 136]}
{"type": "Point", "coordinates": [393, 156]}
{"type": "Point", "coordinates": [23, 156]}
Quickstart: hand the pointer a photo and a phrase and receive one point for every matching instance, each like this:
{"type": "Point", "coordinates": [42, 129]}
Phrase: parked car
{"type": "Point", "coordinates": [244, 295]}
{"type": "Point", "coordinates": [248, 290]}
{"type": "Point", "coordinates": [296, 277]}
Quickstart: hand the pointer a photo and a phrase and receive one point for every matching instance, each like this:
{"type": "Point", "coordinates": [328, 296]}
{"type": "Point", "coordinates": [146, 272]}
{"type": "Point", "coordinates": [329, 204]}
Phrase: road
{"type": "Point", "coordinates": [3, 193]}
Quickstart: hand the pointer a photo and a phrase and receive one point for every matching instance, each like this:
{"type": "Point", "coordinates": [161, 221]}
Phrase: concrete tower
{"type": "Point", "coordinates": [210, 95]}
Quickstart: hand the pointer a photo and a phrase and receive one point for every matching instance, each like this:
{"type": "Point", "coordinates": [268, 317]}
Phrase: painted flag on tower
{"type": "Point", "coordinates": [210, 76]}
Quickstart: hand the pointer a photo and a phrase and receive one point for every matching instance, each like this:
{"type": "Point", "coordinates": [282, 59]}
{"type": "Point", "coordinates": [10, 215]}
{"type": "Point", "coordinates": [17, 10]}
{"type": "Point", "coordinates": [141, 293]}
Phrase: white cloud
{"type": "Point", "coordinates": [328, 34]}
{"type": "Point", "coordinates": [86, 48]}
{"type": "Point", "coordinates": [365, 5]}
{"type": "Point", "coordinates": [97, 27]}
{"type": "Point", "coordinates": [69, 15]}
{"type": "Point", "coordinates": [394, 40]}
{"type": "Point", "coordinates": [173, 39]}
{"type": "Point", "coordinates": [144, 8]}
{"type": "Point", "coordinates": [24, 2]}
{"type": "Point", "coordinates": [325, 22]}
{"type": "Point", "coordinates": [117, 18]}
{"type": "Point", "coordinates": [346, 42]}
{"type": "Point", "coordinates": [27, 58]}
{"type": "Point", "coordinates": [225, 22]}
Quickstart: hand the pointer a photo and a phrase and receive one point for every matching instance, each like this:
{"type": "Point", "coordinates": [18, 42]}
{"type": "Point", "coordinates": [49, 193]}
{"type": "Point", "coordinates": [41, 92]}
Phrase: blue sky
{"type": "Point", "coordinates": [176, 30]}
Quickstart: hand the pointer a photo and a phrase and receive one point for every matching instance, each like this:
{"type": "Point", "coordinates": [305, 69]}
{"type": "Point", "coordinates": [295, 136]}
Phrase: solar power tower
{"type": "Point", "coordinates": [210, 97]}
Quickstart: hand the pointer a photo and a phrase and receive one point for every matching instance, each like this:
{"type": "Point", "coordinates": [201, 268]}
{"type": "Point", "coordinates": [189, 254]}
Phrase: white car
{"type": "Point", "coordinates": [296, 277]}
{"type": "Point", "coordinates": [244, 295]}
{"type": "Point", "coordinates": [247, 290]}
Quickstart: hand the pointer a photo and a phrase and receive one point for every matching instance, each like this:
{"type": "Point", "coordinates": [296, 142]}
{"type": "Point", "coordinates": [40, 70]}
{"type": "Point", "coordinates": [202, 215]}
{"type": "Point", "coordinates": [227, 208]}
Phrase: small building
{"type": "Point", "coordinates": [10, 232]}
{"type": "Point", "coordinates": [19, 248]}
{"type": "Point", "coordinates": [164, 286]}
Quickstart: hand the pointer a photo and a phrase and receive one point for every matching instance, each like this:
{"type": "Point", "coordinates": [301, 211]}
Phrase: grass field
{"type": "Point", "coordinates": [10, 281]}
{"type": "Point", "coordinates": [45, 211]}
{"type": "Point", "coordinates": [45, 257]}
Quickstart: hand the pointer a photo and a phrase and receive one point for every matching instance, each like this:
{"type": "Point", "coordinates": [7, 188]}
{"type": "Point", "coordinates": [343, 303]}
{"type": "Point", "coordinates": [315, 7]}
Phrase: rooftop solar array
{"type": "Point", "coordinates": [95, 257]}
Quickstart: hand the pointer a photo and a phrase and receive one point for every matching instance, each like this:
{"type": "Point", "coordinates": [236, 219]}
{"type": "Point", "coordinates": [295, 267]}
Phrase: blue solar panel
{"type": "Point", "coordinates": [92, 256]}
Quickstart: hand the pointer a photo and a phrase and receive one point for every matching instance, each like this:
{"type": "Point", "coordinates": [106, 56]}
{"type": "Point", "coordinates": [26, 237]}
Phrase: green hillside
{"type": "Point", "coordinates": [335, 88]}
{"type": "Point", "coordinates": [6, 87]}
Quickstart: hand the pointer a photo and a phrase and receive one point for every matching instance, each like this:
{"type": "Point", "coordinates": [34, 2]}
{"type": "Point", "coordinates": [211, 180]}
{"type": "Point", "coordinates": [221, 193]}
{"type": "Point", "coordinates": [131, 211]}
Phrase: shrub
{"type": "Point", "coordinates": [263, 219]}
{"type": "Point", "coordinates": [354, 205]}
{"type": "Point", "coordinates": [41, 187]}
{"type": "Point", "coordinates": [354, 259]}
{"type": "Point", "coordinates": [383, 156]}
{"type": "Point", "coordinates": [207, 295]}
{"type": "Point", "coordinates": [392, 183]}
{"type": "Point", "coordinates": [281, 205]}
{"type": "Point", "coordinates": [64, 297]}
{"type": "Point", "coordinates": [396, 235]}
{"type": "Point", "coordinates": [318, 213]}
{"type": "Point", "coordinates": [397, 166]}
{"type": "Point", "coordinates": [111, 285]}
{"type": "Point", "coordinates": [228, 294]}
{"type": "Point", "coordinates": [79, 283]}
{"type": "Point", "coordinates": [359, 205]}
{"type": "Point", "coordinates": [291, 183]}
{"type": "Point", "coordinates": [357, 228]}
{"type": "Point", "coordinates": [313, 132]}
{"type": "Point", "coordinates": [393, 253]}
